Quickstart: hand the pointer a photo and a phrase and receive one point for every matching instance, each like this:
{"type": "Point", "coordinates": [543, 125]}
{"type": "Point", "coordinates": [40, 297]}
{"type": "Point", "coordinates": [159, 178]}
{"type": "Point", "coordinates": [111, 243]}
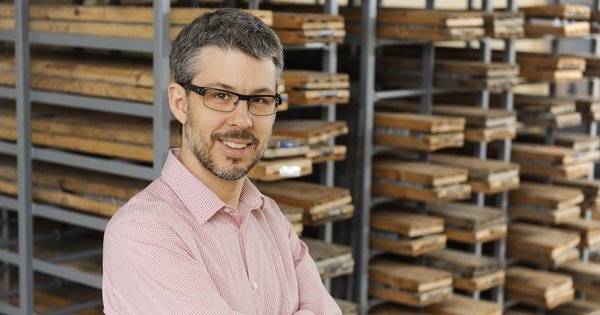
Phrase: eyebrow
{"type": "Point", "coordinates": [224, 86]}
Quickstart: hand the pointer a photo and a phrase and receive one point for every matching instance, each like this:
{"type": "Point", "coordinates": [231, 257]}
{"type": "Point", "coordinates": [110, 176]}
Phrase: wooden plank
{"type": "Point", "coordinates": [305, 79]}
{"type": "Point", "coordinates": [410, 277]}
{"type": "Point", "coordinates": [544, 104]}
{"type": "Point", "coordinates": [270, 170]}
{"type": "Point", "coordinates": [426, 32]}
{"type": "Point", "coordinates": [553, 217]}
{"type": "Point", "coordinates": [403, 138]}
{"type": "Point", "coordinates": [289, 20]}
{"type": "Point", "coordinates": [482, 235]}
{"type": "Point", "coordinates": [590, 187]}
{"type": "Point", "coordinates": [577, 307]}
{"type": "Point", "coordinates": [490, 134]}
{"type": "Point", "coordinates": [340, 213]}
{"type": "Point", "coordinates": [412, 247]}
{"type": "Point", "coordinates": [313, 198]}
{"type": "Point", "coordinates": [303, 37]}
{"type": "Point", "coordinates": [480, 283]}
{"type": "Point", "coordinates": [547, 61]}
{"type": "Point", "coordinates": [547, 196]}
{"type": "Point", "coordinates": [318, 97]}
{"type": "Point", "coordinates": [458, 305]}
{"type": "Point", "coordinates": [487, 170]}
{"type": "Point", "coordinates": [541, 241]}
{"type": "Point", "coordinates": [534, 152]}
{"type": "Point", "coordinates": [312, 131]}
{"type": "Point", "coordinates": [569, 11]}
{"type": "Point", "coordinates": [500, 24]}
{"type": "Point", "coordinates": [466, 216]}
{"type": "Point", "coordinates": [418, 172]}
{"type": "Point", "coordinates": [574, 141]}
{"type": "Point", "coordinates": [331, 259]}
{"type": "Point", "coordinates": [573, 29]}
{"type": "Point", "coordinates": [347, 307]}
{"type": "Point", "coordinates": [279, 147]}
{"type": "Point", "coordinates": [538, 288]}
{"type": "Point", "coordinates": [463, 264]}
{"type": "Point", "coordinates": [292, 213]}
{"type": "Point", "coordinates": [405, 224]}
{"type": "Point", "coordinates": [583, 273]}
{"type": "Point", "coordinates": [439, 17]}
{"type": "Point", "coordinates": [431, 124]}
{"type": "Point", "coordinates": [557, 121]}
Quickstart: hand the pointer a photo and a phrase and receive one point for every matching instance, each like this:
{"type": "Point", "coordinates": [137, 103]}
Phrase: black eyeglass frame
{"type": "Point", "coordinates": [202, 90]}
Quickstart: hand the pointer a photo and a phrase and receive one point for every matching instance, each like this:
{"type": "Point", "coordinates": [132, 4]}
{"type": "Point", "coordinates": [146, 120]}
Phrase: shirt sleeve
{"type": "Point", "coordinates": [152, 273]}
{"type": "Point", "coordinates": [313, 297]}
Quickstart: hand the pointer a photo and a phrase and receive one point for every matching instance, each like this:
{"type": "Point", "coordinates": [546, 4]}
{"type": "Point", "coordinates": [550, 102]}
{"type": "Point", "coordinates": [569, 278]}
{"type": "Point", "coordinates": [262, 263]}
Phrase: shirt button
{"type": "Point", "coordinates": [227, 210]}
{"type": "Point", "coordinates": [255, 285]}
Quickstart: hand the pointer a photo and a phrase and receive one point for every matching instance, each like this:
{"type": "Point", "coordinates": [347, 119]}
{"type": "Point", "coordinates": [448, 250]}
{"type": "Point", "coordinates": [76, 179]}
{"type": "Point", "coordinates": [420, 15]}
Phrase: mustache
{"type": "Point", "coordinates": [235, 134]}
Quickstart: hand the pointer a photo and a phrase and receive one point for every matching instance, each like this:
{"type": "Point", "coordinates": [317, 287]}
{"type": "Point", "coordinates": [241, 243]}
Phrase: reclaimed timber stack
{"type": "Point", "coordinates": [546, 67]}
{"type": "Point", "coordinates": [470, 273]}
{"type": "Point", "coordinates": [545, 161]}
{"type": "Point", "coordinates": [540, 245]}
{"type": "Point", "coordinates": [545, 111]}
{"type": "Point", "coordinates": [538, 288]}
{"type": "Point", "coordinates": [397, 229]}
{"type": "Point", "coordinates": [320, 204]}
{"type": "Point", "coordinates": [315, 133]}
{"type": "Point", "coordinates": [309, 88]}
{"type": "Point", "coordinates": [588, 107]}
{"type": "Point", "coordinates": [107, 135]}
{"type": "Point", "coordinates": [398, 71]}
{"type": "Point", "coordinates": [85, 191]}
{"type": "Point", "coordinates": [419, 181]}
{"type": "Point", "coordinates": [435, 25]}
{"type": "Point", "coordinates": [504, 24]}
{"type": "Point", "coordinates": [561, 20]}
{"type": "Point", "coordinates": [468, 223]}
{"type": "Point", "coordinates": [545, 204]}
{"type": "Point", "coordinates": [332, 260]}
{"type": "Point", "coordinates": [407, 284]}
{"type": "Point", "coordinates": [485, 176]}
{"type": "Point", "coordinates": [308, 28]}
{"type": "Point", "coordinates": [487, 125]}
{"type": "Point", "coordinates": [133, 22]}
{"type": "Point", "coordinates": [591, 191]}
{"type": "Point", "coordinates": [586, 277]}
{"type": "Point", "coordinates": [417, 131]}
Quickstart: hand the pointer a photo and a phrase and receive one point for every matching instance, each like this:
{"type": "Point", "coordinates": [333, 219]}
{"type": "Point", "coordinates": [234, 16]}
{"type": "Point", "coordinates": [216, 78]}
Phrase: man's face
{"type": "Point", "coordinates": [228, 144]}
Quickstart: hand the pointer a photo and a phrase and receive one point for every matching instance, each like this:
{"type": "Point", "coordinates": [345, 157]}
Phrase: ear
{"type": "Point", "coordinates": [177, 97]}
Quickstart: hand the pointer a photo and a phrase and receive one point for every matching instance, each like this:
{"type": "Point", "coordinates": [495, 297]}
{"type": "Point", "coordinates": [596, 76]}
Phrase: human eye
{"type": "Point", "coordinates": [261, 100]}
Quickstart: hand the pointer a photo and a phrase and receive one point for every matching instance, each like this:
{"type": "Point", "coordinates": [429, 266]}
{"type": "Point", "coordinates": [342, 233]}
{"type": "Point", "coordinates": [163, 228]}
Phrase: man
{"type": "Point", "coordinates": [201, 239]}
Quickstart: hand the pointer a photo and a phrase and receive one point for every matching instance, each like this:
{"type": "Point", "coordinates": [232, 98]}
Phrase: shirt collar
{"type": "Point", "coordinates": [200, 200]}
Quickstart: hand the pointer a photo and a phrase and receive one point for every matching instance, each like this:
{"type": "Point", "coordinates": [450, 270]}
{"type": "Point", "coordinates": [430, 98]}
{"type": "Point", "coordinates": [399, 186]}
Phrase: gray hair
{"type": "Point", "coordinates": [225, 28]}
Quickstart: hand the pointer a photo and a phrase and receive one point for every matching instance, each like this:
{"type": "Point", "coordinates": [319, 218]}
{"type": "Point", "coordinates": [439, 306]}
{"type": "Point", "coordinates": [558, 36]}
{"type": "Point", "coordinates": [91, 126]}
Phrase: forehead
{"type": "Point", "coordinates": [234, 68]}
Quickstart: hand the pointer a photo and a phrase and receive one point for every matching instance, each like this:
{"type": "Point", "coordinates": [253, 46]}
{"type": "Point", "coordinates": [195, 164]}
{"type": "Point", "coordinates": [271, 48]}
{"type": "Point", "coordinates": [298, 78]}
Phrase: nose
{"type": "Point", "coordinates": [241, 116]}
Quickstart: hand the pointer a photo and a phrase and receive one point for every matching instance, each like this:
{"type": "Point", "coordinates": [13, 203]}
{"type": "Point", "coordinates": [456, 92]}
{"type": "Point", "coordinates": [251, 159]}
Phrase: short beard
{"type": "Point", "coordinates": [203, 155]}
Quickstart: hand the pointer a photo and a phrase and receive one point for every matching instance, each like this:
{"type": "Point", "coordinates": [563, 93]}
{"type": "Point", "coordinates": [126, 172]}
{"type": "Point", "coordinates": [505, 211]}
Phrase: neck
{"type": "Point", "coordinates": [228, 191]}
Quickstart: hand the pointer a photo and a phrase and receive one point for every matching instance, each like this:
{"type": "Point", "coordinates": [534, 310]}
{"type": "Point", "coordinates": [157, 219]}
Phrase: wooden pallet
{"type": "Point", "coordinates": [487, 176]}
{"type": "Point", "coordinates": [541, 245]}
{"type": "Point", "coordinates": [320, 203]}
{"type": "Point", "coordinates": [538, 288]}
{"type": "Point", "coordinates": [278, 169]}
{"type": "Point", "coordinates": [408, 284]}
{"type": "Point", "coordinates": [459, 305]}
{"type": "Point", "coordinates": [332, 260]}
{"type": "Point", "coordinates": [501, 24]}
{"type": "Point", "coordinates": [311, 131]}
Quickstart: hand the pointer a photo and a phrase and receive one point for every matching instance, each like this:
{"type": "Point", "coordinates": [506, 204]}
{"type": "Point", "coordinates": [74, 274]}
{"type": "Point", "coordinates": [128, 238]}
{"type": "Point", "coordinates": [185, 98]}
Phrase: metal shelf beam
{"type": "Point", "coordinates": [8, 148]}
{"type": "Point", "coordinates": [85, 41]}
{"type": "Point", "coordinates": [69, 216]}
{"type": "Point", "coordinates": [9, 203]}
{"type": "Point", "coordinates": [77, 276]}
{"type": "Point", "coordinates": [93, 103]}
{"type": "Point", "coordinates": [8, 309]}
{"type": "Point", "coordinates": [7, 36]}
{"type": "Point", "coordinates": [7, 92]}
{"type": "Point", "coordinates": [115, 167]}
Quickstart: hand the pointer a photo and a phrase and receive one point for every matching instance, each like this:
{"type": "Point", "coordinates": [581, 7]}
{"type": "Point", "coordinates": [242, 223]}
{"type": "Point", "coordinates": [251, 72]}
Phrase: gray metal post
{"type": "Point", "coordinates": [367, 98]}
{"type": "Point", "coordinates": [160, 64]}
{"type": "Point", "coordinates": [22, 56]}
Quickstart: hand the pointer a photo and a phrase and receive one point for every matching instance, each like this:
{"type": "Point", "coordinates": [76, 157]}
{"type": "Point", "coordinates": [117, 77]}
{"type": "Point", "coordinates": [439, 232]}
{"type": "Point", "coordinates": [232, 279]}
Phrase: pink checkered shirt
{"type": "Point", "coordinates": [176, 248]}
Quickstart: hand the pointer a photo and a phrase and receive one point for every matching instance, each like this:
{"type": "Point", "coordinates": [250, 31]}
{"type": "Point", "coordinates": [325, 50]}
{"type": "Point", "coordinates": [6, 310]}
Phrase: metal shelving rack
{"type": "Point", "coordinates": [26, 153]}
{"type": "Point", "coordinates": [368, 96]}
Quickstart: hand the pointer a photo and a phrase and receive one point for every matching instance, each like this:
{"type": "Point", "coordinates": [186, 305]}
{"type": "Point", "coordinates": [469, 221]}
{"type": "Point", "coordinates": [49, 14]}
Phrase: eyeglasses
{"type": "Point", "coordinates": [226, 101]}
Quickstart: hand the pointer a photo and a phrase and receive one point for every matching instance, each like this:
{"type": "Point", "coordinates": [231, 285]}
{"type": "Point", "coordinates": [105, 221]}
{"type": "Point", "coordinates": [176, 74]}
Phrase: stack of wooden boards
{"type": "Point", "coordinates": [471, 273]}
{"type": "Point", "coordinates": [504, 24]}
{"type": "Point", "coordinates": [561, 20]}
{"type": "Point", "coordinates": [87, 191]}
{"type": "Point", "coordinates": [308, 88]}
{"type": "Point", "coordinates": [550, 68]}
{"type": "Point", "coordinates": [586, 277]}
{"type": "Point", "coordinates": [421, 24]}
{"type": "Point", "coordinates": [454, 305]}
{"type": "Point", "coordinates": [418, 131]}
{"type": "Point", "coordinates": [332, 260]}
{"type": "Point", "coordinates": [320, 204]}
{"type": "Point", "coordinates": [301, 29]}
{"type": "Point", "coordinates": [588, 107]}
{"type": "Point", "coordinates": [408, 284]}
{"type": "Point", "coordinates": [124, 21]}
{"type": "Point", "coordinates": [591, 191]}
{"type": "Point", "coordinates": [545, 204]}
{"type": "Point", "coordinates": [538, 288]}
{"type": "Point", "coordinates": [544, 111]}
{"type": "Point", "coordinates": [397, 69]}
{"type": "Point", "coordinates": [540, 245]}
{"type": "Point", "coordinates": [468, 223]}
{"type": "Point", "coordinates": [396, 229]}
{"type": "Point", "coordinates": [485, 125]}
